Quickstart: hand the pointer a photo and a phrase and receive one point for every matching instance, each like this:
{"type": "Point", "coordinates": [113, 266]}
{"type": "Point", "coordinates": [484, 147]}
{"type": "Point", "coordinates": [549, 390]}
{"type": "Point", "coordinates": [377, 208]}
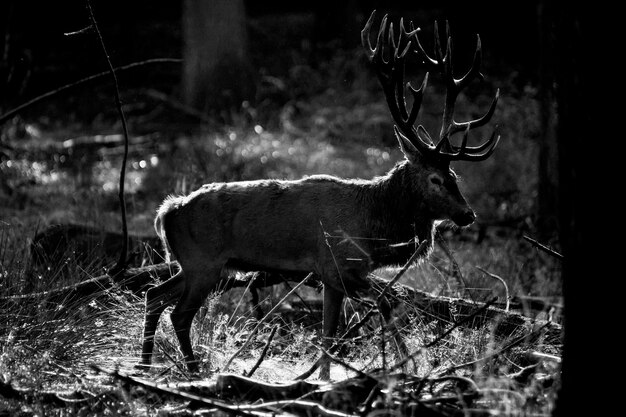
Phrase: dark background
{"type": "Point", "coordinates": [35, 40]}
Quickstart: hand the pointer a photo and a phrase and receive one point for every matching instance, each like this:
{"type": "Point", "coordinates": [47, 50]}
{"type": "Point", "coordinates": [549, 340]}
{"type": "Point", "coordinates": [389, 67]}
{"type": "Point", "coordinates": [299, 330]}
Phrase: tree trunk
{"type": "Point", "coordinates": [582, 115]}
{"type": "Point", "coordinates": [547, 195]}
{"type": "Point", "coordinates": [337, 21]}
{"type": "Point", "coordinates": [216, 73]}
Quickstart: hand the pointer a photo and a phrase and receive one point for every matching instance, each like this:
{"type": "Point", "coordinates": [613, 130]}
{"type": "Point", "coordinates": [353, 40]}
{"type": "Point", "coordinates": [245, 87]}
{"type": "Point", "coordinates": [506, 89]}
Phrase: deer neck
{"type": "Point", "coordinates": [398, 207]}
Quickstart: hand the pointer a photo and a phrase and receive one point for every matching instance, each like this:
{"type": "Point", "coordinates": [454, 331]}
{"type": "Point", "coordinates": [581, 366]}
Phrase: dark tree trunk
{"type": "Point", "coordinates": [547, 195]}
{"type": "Point", "coordinates": [581, 80]}
{"type": "Point", "coordinates": [216, 74]}
{"type": "Point", "coordinates": [337, 21]}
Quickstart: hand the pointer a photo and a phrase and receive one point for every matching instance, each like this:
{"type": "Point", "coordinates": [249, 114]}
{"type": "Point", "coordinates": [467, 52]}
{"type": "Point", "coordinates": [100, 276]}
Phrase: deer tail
{"type": "Point", "coordinates": [168, 205]}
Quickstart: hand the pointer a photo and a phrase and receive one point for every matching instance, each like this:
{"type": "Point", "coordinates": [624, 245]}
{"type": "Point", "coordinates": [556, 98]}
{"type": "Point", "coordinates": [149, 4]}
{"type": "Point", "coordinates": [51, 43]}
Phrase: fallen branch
{"type": "Point", "coordinates": [30, 396]}
{"type": "Point", "coordinates": [447, 309]}
{"type": "Point", "coordinates": [460, 323]}
{"type": "Point", "coordinates": [242, 388]}
{"type": "Point", "coordinates": [135, 280]}
{"type": "Point", "coordinates": [90, 247]}
{"type": "Point", "coordinates": [453, 310]}
{"type": "Point", "coordinates": [176, 394]}
{"type": "Point", "coordinates": [499, 352]}
{"type": "Point", "coordinates": [339, 399]}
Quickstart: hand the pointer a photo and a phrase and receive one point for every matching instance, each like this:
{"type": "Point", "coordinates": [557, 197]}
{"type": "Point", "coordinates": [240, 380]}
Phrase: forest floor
{"type": "Point", "coordinates": [67, 172]}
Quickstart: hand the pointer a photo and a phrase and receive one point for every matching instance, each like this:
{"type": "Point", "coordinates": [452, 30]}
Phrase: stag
{"type": "Point", "coordinates": [301, 226]}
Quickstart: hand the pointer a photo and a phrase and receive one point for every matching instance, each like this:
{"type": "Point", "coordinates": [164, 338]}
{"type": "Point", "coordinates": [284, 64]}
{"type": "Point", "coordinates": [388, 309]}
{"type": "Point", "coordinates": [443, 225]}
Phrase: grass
{"type": "Point", "coordinates": [335, 130]}
{"type": "Point", "coordinates": [50, 346]}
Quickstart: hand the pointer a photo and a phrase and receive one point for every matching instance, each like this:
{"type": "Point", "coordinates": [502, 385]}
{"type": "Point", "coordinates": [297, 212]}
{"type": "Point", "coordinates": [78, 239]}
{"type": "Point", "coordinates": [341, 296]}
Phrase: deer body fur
{"type": "Point", "coordinates": [322, 224]}
{"type": "Point", "coordinates": [337, 228]}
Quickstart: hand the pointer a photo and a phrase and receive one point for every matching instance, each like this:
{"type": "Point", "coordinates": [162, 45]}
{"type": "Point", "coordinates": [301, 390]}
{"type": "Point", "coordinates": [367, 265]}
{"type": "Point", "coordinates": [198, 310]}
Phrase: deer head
{"type": "Point", "coordinates": [431, 161]}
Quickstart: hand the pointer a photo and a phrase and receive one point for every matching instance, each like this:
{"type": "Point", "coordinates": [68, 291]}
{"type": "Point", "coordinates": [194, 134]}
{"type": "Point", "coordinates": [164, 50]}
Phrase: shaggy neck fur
{"type": "Point", "coordinates": [398, 209]}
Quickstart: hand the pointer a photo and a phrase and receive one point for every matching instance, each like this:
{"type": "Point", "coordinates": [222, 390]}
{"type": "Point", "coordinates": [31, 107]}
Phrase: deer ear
{"type": "Point", "coordinates": [406, 146]}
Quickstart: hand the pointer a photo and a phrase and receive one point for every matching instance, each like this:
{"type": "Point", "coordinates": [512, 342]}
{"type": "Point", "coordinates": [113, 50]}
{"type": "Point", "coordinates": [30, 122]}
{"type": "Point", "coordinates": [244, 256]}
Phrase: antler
{"type": "Point", "coordinates": [390, 73]}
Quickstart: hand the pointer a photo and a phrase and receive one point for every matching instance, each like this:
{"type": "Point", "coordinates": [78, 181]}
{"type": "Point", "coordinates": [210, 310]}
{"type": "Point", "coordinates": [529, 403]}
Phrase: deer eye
{"type": "Point", "coordinates": [436, 180]}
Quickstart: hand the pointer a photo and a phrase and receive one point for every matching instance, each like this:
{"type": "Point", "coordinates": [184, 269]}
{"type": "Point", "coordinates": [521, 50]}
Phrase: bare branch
{"type": "Point", "coordinates": [9, 114]}
{"type": "Point", "coordinates": [121, 263]}
{"type": "Point", "coordinates": [263, 353]}
{"type": "Point", "coordinates": [543, 247]}
{"type": "Point", "coordinates": [247, 342]}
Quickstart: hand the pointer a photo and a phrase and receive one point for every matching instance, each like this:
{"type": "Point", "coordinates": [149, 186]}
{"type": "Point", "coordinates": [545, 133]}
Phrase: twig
{"type": "Point", "coordinates": [177, 105]}
{"type": "Point", "coordinates": [389, 284]}
{"type": "Point", "coordinates": [543, 247]}
{"type": "Point", "coordinates": [503, 282]}
{"type": "Point", "coordinates": [247, 342]}
{"type": "Point", "coordinates": [306, 408]}
{"type": "Point", "coordinates": [460, 322]}
{"type": "Point", "coordinates": [6, 116]}
{"type": "Point", "coordinates": [264, 352]}
{"type": "Point", "coordinates": [383, 354]}
{"type": "Point", "coordinates": [46, 397]}
{"type": "Point", "coordinates": [241, 298]}
{"type": "Point", "coordinates": [455, 265]}
{"type": "Point", "coordinates": [342, 363]}
{"type": "Point", "coordinates": [121, 263]}
{"type": "Point", "coordinates": [418, 252]}
{"type": "Point", "coordinates": [174, 362]}
{"type": "Point", "coordinates": [312, 369]}
{"type": "Point", "coordinates": [457, 324]}
{"type": "Point", "coordinates": [497, 353]}
{"type": "Point", "coordinates": [151, 386]}
{"type": "Point", "coordinates": [546, 356]}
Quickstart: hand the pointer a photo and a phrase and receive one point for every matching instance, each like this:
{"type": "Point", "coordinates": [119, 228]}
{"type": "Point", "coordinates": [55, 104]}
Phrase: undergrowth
{"type": "Point", "coordinates": [48, 344]}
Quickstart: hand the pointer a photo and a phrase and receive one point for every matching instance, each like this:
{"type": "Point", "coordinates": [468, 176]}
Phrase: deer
{"type": "Point", "coordinates": [299, 226]}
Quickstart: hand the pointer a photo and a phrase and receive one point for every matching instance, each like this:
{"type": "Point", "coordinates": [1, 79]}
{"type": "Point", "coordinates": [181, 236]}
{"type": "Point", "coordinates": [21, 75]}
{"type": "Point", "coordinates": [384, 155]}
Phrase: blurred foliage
{"type": "Point", "coordinates": [318, 109]}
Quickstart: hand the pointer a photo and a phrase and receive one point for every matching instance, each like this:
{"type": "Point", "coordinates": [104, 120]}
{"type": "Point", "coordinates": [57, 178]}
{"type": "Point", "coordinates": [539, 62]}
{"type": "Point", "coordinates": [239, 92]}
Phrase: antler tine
{"type": "Point", "coordinates": [374, 54]}
{"type": "Point", "coordinates": [398, 70]}
{"type": "Point", "coordinates": [426, 59]}
{"type": "Point", "coordinates": [437, 41]}
{"type": "Point", "coordinates": [408, 34]}
{"type": "Point", "coordinates": [422, 130]}
{"type": "Point", "coordinates": [378, 50]}
{"type": "Point", "coordinates": [462, 154]}
{"type": "Point", "coordinates": [447, 122]}
{"type": "Point", "coordinates": [392, 41]}
{"type": "Point", "coordinates": [365, 36]}
{"type": "Point", "coordinates": [481, 121]}
{"type": "Point", "coordinates": [390, 73]}
{"type": "Point", "coordinates": [454, 86]}
{"type": "Point", "coordinates": [474, 71]}
{"type": "Point", "coordinates": [418, 95]}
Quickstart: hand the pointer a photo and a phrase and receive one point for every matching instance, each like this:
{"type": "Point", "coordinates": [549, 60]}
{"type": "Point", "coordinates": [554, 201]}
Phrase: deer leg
{"type": "Point", "coordinates": [197, 288]}
{"type": "Point", "coordinates": [158, 299]}
{"type": "Point", "coordinates": [385, 309]}
{"type": "Point", "coordinates": [332, 309]}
